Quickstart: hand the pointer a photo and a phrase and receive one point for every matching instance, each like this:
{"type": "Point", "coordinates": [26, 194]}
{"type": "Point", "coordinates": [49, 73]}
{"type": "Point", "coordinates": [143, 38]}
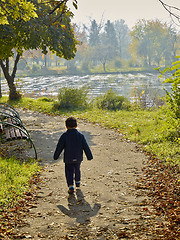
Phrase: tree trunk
{"type": "Point", "coordinates": [13, 93]}
{"type": "Point", "coordinates": [0, 84]}
{"type": "Point", "coordinates": [104, 66]}
{"type": "Point", "coordinates": [45, 61]}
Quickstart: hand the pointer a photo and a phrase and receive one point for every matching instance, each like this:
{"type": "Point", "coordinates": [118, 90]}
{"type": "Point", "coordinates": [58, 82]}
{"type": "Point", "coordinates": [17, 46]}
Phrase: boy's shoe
{"type": "Point", "coordinates": [71, 190]}
{"type": "Point", "coordinates": [77, 184]}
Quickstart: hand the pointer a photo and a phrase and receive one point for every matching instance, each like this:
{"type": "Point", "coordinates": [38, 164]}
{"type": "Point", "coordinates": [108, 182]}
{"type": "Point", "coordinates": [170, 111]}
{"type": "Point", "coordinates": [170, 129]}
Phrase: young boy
{"type": "Point", "coordinates": [73, 143]}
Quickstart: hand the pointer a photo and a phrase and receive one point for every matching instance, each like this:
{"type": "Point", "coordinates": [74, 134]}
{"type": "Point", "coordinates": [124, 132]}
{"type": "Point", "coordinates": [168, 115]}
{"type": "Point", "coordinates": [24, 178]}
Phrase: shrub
{"type": "Point", "coordinates": [172, 99]}
{"type": "Point", "coordinates": [110, 101]}
{"type": "Point", "coordinates": [70, 98]}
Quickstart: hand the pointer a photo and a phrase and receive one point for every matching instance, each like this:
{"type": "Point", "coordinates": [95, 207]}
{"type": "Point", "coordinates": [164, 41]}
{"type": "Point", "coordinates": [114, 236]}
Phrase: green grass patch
{"type": "Point", "coordinates": [15, 178]}
{"type": "Point", "coordinates": [42, 104]}
{"type": "Point", "coordinates": [145, 127]}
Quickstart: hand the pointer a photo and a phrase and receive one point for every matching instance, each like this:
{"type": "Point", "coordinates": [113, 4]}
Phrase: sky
{"type": "Point", "coordinates": [129, 10]}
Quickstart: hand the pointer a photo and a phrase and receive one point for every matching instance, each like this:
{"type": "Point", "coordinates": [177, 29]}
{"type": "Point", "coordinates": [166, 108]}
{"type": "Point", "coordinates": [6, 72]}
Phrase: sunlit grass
{"type": "Point", "coordinates": [145, 127]}
{"type": "Point", "coordinates": [14, 178]}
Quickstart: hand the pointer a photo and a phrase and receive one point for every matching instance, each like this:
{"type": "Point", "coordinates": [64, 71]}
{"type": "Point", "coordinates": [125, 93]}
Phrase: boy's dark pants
{"type": "Point", "coordinates": [72, 169]}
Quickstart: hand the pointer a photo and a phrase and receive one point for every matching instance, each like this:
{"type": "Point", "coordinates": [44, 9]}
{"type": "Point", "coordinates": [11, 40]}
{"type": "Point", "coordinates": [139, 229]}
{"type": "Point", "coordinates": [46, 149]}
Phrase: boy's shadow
{"type": "Point", "coordinates": [79, 208]}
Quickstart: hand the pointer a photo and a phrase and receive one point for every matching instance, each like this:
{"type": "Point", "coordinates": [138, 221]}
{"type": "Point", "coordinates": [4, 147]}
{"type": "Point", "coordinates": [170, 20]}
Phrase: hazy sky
{"type": "Point", "coordinates": [129, 10]}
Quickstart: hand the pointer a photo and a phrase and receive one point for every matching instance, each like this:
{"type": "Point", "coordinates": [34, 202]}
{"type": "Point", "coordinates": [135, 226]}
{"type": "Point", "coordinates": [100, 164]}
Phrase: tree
{"type": "Point", "coordinates": [82, 56]}
{"type": "Point", "coordinates": [110, 37]}
{"type": "Point", "coordinates": [94, 32]}
{"type": "Point", "coordinates": [52, 31]}
{"type": "Point", "coordinates": [0, 84]}
{"type": "Point", "coordinates": [101, 54]}
{"type": "Point", "coordinates": [123, 38]}
{"type": "Point", "coordinates": [107, 48]}
{"type": "Point", "coordinates": [25, 10]}
{"type": "Point", "coordinates": [139, 45]}
{"type": "Point", "coordinates": [170, 40]}
{"type": "Point", "coordinates": [153, 41]}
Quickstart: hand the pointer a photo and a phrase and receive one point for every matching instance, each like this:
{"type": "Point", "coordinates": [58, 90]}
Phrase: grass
{"type": "Point", "coordinates": [15, 179]}
{"type": "Point", "coordinates": [146, 127]}
{"type": "Point", "coordinates": [142, 126]}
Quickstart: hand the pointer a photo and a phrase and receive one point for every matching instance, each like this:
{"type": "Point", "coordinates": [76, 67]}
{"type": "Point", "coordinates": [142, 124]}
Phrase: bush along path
{"type": "Point", "coordinates": [125, 193]}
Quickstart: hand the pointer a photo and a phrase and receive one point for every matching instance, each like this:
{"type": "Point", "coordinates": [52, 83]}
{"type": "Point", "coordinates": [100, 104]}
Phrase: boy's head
{"type": "Point", "coordinates": [71, 122]}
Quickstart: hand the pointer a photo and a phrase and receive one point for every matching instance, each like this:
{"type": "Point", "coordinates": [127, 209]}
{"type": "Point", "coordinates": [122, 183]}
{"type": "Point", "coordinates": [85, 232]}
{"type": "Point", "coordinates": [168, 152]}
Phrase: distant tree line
{"type": "Point", "coordinates": [150, 43]}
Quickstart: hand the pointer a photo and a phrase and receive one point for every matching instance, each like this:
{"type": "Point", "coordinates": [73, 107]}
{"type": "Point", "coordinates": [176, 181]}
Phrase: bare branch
{"type": "Point", "coordinates": [15, 65]}
{"type": "Point", "coordinates": [58, 6]}
{"type": "Point", "coordinates": [173, 11]}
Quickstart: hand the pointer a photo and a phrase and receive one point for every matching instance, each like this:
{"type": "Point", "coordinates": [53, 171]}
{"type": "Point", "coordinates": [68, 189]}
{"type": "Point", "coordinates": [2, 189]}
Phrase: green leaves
{"type": "Point", "coordinates": [72, 98]}
{"type": "Point", "coordinates": [175, 70]}
{"type": "Point", "coordinates": [172, 109]}
{"type": "Point", "coordinates": [111, 101]}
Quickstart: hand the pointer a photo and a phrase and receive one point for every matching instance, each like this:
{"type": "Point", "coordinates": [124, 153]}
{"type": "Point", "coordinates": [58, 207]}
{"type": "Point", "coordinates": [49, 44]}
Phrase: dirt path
{"type": "Point", "coordinates": [105, 207]}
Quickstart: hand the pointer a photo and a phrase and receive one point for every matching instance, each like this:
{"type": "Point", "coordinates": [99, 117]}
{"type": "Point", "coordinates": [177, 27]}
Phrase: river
{"type": "Point", "coordinates": [122, 84]}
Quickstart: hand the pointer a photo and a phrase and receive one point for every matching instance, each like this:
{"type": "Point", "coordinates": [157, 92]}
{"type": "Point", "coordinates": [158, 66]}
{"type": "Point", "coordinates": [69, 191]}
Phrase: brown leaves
{"type": "Point", "coordinates": [11, 217]}
{"type": "Point", "coordinates": [162, 183]}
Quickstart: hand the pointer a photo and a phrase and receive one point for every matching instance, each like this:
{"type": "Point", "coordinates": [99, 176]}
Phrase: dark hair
{"type": "Point", "coordinates": [71, 122]}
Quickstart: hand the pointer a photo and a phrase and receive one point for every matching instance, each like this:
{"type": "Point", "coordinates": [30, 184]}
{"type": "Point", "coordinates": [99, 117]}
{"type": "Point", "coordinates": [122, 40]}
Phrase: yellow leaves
{"type": "Point", "coordinates": [177, 140]}
{"type": "Point", "coordinates": [56, 24]}
{"type": "Point", "coordinates": [17, 9]}
{"type": "Point", "coordinates": [3, 20]}
{"type": "Point", "coordinates": [63, 26]}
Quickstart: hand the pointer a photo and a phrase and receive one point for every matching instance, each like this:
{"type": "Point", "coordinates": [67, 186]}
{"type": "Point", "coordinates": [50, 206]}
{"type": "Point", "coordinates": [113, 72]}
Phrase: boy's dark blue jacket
{"type": "Point", "coordinates": [73, 142]}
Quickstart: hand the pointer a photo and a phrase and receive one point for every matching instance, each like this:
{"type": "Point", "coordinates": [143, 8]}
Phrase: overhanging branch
{"type": "Point", "coordinates": [58, 6]}
{"type": "Point", "coordinates": [173, 11]}
{"type": "Point", "coordinates": [15, 65]}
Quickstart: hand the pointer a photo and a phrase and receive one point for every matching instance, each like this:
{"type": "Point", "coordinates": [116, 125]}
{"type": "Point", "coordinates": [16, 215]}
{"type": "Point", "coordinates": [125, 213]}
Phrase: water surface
{"type": "Point", "coordinates": [123, 84]}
